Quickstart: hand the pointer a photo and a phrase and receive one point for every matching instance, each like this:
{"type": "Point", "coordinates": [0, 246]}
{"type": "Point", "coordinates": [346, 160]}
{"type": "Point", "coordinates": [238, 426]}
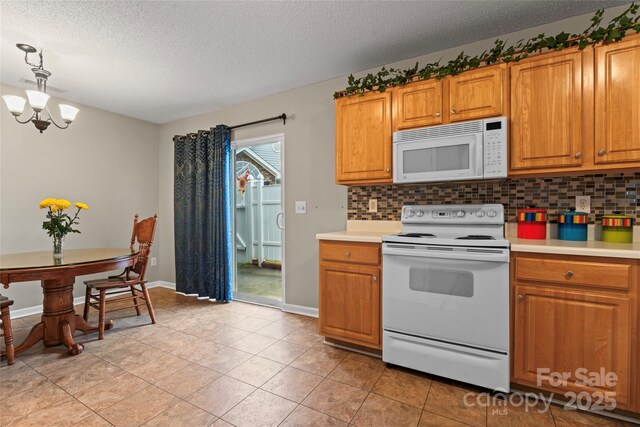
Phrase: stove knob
{"type": "Point", "coordinates": [492, 213]}
{"type": "Point", "coordinates": [460, 214]}
{"type": "Point", "coordinates": [410, 213]}
{"type": "Point", "coordinates": [480, 214]}
{"type": "Point", "coordinates": [420, 213]}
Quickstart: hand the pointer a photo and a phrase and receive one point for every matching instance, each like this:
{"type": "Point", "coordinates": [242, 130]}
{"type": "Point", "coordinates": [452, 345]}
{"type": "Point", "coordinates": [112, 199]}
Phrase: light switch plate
{"type": "Point", "coordinates": [301, 207]}
{"type": "Point", "coordinates": [154, 261]}
{"type": "Point", "coordinates": [373, 205]}
{"type": "Point", "coordinates": [583, 204]}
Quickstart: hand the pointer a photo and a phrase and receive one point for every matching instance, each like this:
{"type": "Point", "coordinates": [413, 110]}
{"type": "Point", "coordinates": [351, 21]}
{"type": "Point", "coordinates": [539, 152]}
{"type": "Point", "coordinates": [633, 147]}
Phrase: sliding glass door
{"type": "Point", "coordinates": [258, 220]}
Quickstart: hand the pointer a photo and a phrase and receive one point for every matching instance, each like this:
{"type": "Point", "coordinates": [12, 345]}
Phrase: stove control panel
{"type": "Point", "coordinates": [458, 214]}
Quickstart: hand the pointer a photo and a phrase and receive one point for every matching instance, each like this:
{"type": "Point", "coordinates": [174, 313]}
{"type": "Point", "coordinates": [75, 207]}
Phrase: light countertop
{"type": "Point", "coordinates": [373, 231]}
{"type": "Point", "coordinates": [363, 231]}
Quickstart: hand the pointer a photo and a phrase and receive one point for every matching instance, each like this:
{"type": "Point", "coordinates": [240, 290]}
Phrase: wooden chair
{"type": "Point", "coordinates": [5, 326]}
{"type": "Point", "coordinates": [131, 280]}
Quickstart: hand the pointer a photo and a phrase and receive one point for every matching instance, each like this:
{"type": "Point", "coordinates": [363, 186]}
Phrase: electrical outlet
{"type": "Point", "coordinates": [373, 205]}
{"type": "Point", "coordinates": [301, 207]}
{"type": "Point", "coordinates": [154, 261]}
{"type": "Point", "coordinates": [583, 204]}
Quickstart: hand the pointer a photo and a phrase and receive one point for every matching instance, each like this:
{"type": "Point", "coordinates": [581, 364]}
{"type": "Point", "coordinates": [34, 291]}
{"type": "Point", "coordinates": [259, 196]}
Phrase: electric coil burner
{"type": "Point", "coordinates": [445, 305]}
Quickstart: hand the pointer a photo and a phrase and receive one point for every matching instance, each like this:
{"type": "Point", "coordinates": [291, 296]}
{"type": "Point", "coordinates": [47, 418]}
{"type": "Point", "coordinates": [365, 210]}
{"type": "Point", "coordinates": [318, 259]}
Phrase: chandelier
{"type": "Point", "coordinates": [38, 98]}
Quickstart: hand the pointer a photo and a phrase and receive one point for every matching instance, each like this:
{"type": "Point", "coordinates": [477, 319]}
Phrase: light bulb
{"type": "Point", "coordinates": [15, 104]}
{"type": "Point", "coordinates": [68, 113]}
{"type": "Point", "coordinates": [37, 100]}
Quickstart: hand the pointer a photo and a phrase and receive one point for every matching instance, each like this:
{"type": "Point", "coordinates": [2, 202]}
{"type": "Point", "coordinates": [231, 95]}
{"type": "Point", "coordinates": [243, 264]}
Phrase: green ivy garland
{"type": "Point", "coordinates": [615, 31]}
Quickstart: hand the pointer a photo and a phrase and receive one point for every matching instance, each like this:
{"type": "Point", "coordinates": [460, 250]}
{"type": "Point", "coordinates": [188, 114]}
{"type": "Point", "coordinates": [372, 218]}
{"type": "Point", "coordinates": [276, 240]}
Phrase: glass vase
{"type": "Point", "coordinates": [58, 247]}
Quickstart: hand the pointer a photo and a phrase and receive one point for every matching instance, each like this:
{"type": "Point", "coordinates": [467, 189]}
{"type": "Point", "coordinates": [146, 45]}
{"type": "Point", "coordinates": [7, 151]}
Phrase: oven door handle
{"type": "Point", "coordinates": [493, 255]}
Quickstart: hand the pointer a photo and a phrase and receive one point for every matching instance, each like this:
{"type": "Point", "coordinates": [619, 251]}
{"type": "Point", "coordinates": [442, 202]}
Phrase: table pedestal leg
{"type": "Point", "coordinates": [58, 317]}
{"type": "Point", "coordinates": [83, 326]}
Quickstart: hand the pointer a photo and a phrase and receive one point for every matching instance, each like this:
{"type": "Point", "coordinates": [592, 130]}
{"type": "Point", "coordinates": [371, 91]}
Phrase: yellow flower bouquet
{"type": "Point", "coordinates": [59, 223]}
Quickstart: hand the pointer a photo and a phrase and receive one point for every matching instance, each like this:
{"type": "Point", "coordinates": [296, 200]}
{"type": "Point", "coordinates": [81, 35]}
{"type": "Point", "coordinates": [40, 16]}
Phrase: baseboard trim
{"type": "Point", "coordinates": [300, 309]}
{"type": "Point", "coordinates": [37, 309]}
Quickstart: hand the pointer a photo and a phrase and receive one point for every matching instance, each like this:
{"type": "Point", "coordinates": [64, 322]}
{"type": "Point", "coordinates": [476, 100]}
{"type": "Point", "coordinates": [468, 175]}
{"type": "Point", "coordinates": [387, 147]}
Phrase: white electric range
{"type": "Point", "coordinates": [445, 305]}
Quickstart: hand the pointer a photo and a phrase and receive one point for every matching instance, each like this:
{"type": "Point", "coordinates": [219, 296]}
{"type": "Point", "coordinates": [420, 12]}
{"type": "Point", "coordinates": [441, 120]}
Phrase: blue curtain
{"type": "Point", "coordinates": [202, 214]}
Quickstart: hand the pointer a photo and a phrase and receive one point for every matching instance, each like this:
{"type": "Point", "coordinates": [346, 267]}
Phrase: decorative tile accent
{"type": "Point", "coordinates": [609, 192]}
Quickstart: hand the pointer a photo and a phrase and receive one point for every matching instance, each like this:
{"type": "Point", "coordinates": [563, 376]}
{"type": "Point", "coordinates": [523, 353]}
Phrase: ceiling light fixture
{"type": "Point", "coordinates": [38, 98]}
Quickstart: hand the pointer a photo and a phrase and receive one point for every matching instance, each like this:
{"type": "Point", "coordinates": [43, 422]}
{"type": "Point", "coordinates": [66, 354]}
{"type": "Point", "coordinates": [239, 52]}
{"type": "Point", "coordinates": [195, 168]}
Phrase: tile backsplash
{"type": "Point", "coordinates": [609, 192]}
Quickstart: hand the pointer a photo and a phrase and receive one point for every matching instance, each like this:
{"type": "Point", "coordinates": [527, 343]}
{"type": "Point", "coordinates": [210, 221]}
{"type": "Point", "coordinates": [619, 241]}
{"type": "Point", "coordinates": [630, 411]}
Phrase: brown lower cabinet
{"type": "Point", "coordinates": [569, 314]}
{"type": "Point", "coordinates": [350, 292]}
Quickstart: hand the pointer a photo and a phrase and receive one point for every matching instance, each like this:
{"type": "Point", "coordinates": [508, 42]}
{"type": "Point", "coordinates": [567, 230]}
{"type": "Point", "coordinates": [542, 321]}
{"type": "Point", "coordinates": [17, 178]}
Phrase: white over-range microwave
{"type": "Point", "coordinates": [461, 151]}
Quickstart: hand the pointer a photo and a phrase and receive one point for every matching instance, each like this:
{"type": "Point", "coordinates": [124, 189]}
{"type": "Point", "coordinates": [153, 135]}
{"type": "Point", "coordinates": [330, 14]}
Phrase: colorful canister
{"type": "Point", "coordinates": [572, 225]}
{"type": "Point", "coordinates": [617, 228]}
{"type": "Point", "coordinates": [532, 223]}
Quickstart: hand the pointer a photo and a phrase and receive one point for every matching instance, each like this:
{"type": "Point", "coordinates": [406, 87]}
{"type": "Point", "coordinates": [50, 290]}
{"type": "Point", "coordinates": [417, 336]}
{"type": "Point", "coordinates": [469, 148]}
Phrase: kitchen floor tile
{"type": "Point", "coordinates": [188, 380]}
{"type": "Point", "coordinates": [221, 395]}
{"type": "Point", "coordinates": [404, 387]}
{"type": "Point", "coordinates": [260, 409]}
{"type": "Point", "coordinates": [139, 407]}
{"type": "Point", "coordinates": [307, 417]}
{"type": "Point", "coordinates": [336, 399]}
{"type": "Point", "coordinates": [383, 412]}
{"type": "Point", "coordinates": [358, 374]}
{"type": "Point", "coordinates": [182, 414]}
{"type": "Point", "coordinates": [256, 371]}
{"type": "Point", "coordinates": [448, 400]}
{"type": "Point", "coordinates": [293, 384]}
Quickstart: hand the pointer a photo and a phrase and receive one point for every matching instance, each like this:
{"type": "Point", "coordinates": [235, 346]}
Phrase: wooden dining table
{"type": "Point", "coordinates": [59, 320]}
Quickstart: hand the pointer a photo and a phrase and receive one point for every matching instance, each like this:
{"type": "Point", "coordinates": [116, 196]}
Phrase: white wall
{"type": "Point", "coordinates": [106, 160]}
{"type": "Point", "coordinates": [309, 160]}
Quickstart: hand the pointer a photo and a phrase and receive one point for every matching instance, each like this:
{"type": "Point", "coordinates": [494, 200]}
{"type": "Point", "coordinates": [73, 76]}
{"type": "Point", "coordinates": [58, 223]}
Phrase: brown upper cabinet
{"type": "Point", "coordinates": [472, 95]}
{"type": "Point", "coordinates": [363, 139]}
{"type": "Point", "coordinates": [418, 104]}
{"type": "Point", "coordinates": [546, 111]}
{"type": "Point", "coordinates": [478, 93]}
{"type": "Point", "coordinates": [617, 102]}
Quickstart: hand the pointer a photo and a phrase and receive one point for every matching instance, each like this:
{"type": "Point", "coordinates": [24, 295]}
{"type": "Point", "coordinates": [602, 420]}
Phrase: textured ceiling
{"type": "Point", "coordinates": [160, 61]}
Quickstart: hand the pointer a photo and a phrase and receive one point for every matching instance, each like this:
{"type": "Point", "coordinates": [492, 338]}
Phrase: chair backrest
{"type": "Point", "coordinates": [143, 232]}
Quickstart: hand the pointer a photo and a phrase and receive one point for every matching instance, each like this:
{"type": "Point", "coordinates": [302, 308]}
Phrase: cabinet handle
{"type": "Point", "coordinates": [569, 274]}
{"type": "Point", "coordinates": [437, 114]}
{"type": "Point", "coordinates": [375, 278]}
{"type": "Point", "coordinates": [387, 170]}
{"type": "Point", "coordinates": [453, 111]}
{"type": "Point", "coordinates": [578, 155]}
{"type": "Point", "coordinates": [520, 298]}
{"type": "Point", "coordinates": [347, 254]}
{"type": "Point", "coordinates": [602, 152]}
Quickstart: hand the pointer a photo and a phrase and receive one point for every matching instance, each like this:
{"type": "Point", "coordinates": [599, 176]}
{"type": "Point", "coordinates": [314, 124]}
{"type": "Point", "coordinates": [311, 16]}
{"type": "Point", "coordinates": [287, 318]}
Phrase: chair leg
{"type": "Point", "coordinates": [87, 300]}
{"type": "Point", "coordinates": [8, 336]}
{"type": "Point", "coordinates": [101, 314]}
{"type": "Point", "coordinates": [135, 300]}
{"type": "Point", "coordinates": [147, 298]}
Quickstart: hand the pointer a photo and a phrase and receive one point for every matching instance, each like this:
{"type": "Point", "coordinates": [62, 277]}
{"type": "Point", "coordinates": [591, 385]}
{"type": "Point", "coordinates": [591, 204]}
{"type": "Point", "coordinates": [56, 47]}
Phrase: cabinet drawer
{"type": "Point", "coordinates": [590, 273]}
{"type": "Point", "coordinates": [352, 252]}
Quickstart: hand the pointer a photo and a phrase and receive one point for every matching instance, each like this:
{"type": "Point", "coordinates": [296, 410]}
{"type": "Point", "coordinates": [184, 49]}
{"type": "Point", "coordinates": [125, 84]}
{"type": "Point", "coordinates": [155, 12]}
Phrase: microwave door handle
{"type": "Point", "coordinates": [494, 256]}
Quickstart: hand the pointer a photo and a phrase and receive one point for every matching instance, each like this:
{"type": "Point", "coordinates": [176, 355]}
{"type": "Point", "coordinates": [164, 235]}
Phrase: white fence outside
{"type": "Point", "coordinates": [258, 235]}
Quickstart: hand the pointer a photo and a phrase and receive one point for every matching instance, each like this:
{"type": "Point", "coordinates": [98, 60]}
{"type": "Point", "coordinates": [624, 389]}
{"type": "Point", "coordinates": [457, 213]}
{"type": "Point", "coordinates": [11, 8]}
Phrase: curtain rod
{"type": "Point", "coordinates": [282, 117]}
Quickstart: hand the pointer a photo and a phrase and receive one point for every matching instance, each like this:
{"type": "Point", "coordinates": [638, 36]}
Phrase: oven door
{"type": "Point", "coordinates": [452, 158]}
{"type": "Point", "coordinates": [451, 294]}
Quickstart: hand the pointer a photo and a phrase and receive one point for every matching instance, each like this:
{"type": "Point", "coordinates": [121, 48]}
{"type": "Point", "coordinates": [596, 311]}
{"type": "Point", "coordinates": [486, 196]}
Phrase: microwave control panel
{"type": "Point", "coordinates": [495, 147]}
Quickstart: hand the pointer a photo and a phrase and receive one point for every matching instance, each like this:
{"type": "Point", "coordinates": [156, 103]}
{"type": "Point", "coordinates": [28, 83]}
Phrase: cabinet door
{"type": "Point", "coordinates": [561, 331]}
{"type": "Point", "coordinates": [546, 112]}
{"type": "Point", "coordinates": [477, 94]}
{"type": "Point", "coordinates": [363, 139]}
{"type": "Point", "coordinates": [617, 107]}
{"type": "Point", "coordinates": [350, 304]}
{"type": "Point", "coordinates": [418, 104]}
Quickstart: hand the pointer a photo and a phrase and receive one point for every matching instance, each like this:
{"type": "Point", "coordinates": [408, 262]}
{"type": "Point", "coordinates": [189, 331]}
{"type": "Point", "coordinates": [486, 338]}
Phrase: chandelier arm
{"type": "Point", "coordinates": [26, 59]}
{"type": "Point", "coordinates": [26, 121]}
{"type": "Point", "coordinates": [50, 119]}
